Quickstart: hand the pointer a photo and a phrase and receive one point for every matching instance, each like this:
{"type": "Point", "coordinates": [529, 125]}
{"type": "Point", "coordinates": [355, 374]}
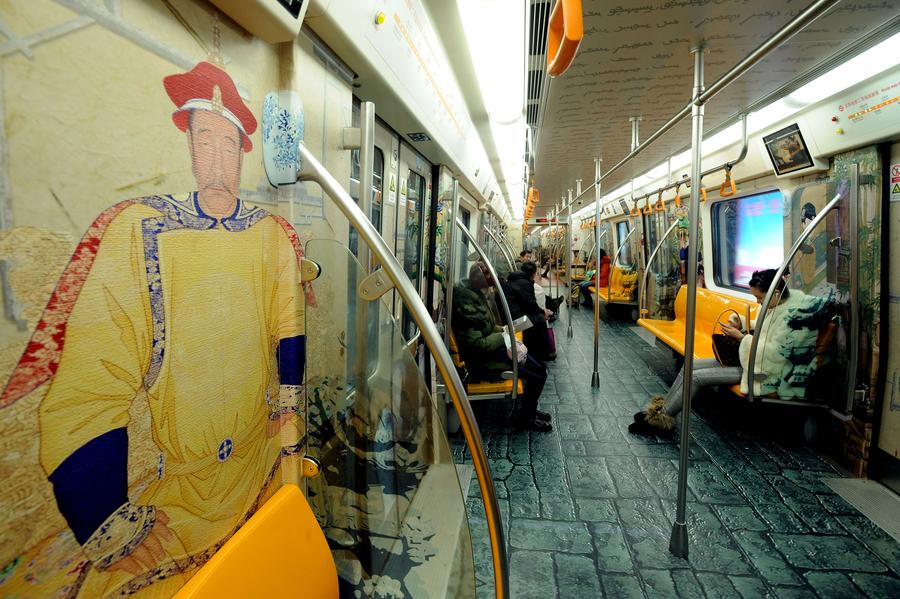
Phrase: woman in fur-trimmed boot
{"type": "Point", "coordinates": [787, 340]}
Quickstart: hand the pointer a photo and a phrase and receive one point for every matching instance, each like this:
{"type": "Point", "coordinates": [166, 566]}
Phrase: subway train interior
{"type": "Point", "coordinates": [539, 298]}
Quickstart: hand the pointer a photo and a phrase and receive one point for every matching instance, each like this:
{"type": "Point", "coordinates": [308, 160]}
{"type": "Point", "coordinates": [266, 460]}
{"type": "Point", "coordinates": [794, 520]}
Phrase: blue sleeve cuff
{"type": "Point", "coordinates": [291, 356]}
{"type": "Point", "coordinates": [92, 483]}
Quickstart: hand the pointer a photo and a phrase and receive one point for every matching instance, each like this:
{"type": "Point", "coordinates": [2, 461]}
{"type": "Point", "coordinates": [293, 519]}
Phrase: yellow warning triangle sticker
{"type": "Point", "coordinates": [393, 184]}
{"type": "Point", "coordinates": [896, 188]}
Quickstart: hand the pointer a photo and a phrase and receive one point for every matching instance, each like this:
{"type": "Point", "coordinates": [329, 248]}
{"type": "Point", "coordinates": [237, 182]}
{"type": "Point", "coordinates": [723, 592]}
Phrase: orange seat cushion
{"type": "Point", "coordinates": [279, 550]}
{"type": "Point", "coordinates": [710, 305]}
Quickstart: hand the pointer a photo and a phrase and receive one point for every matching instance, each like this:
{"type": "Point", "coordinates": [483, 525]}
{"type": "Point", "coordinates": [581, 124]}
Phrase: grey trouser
{"type": "Point", "coordinates": [707, 371]}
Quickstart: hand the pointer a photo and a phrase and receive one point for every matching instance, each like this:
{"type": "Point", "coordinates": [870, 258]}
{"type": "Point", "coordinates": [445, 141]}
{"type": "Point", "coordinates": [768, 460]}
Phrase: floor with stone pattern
{"type": "Point", "coordinates": [588, 508]}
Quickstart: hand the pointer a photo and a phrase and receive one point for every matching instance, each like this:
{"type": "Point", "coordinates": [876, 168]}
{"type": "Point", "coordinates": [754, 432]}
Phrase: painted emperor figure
{"type": "Point", "coordinates": [192, 304]}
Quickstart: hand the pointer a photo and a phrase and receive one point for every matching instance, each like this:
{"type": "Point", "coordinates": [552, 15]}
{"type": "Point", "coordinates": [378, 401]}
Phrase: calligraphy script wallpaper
{"type": "Point", "coordinates": [635, 61]}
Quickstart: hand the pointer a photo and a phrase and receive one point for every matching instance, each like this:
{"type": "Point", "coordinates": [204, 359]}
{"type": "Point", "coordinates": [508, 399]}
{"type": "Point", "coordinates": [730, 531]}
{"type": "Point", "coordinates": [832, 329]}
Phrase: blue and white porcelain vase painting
{"type": "Point", "coordinates": [282, 132]}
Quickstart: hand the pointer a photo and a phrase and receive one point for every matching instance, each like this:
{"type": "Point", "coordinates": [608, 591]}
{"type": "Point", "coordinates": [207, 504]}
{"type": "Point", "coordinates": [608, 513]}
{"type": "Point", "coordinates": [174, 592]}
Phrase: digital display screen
{"type": "Point", "coordinates": [759, 239]}
{"type": "Point", "coordinates": [788, 150]}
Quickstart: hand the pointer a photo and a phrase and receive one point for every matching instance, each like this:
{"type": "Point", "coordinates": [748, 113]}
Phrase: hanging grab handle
{"type": "Point", "coordinates": [728, 187]}
{"type": "Point", "coordinates": [635, 211]}
{"type": "Point", "coordinates": [678, 196]}
{"type": "Point", "coordinates": [647, 208]}
{"type": "Point", "coordinates": [660, 206]}
{"type": "Point", "coordinates": [564, 33]}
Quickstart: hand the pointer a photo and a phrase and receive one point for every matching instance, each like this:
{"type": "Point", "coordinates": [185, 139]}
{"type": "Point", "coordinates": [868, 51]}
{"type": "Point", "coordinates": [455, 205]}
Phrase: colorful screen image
{"type": "Point", "coordinates": [788, 150]}
{"type": "Point", "coordinates": [759, 239]}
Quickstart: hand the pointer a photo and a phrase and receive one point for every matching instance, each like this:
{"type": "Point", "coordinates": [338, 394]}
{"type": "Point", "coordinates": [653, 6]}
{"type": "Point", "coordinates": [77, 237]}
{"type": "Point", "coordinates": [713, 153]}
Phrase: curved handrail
{"type": "Point", "coordinates": [643, 293]}
{"type": "Point", "coordinates": [764, 307]}
{"type": "Point", "coordinates": [615, 259]}
{"type": "Point", "coordinates": [510, 327]}
{"type": "Point", "coordinates": [509, 261]}
{"type": "Point", "coordinates": [593, 251]}
{"type": "Point", "coordinates": [312, 170]}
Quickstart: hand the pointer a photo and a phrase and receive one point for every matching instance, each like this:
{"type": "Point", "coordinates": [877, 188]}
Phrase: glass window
{"type": "Point", "coordinates": [377, 183]}
{"type": "Point", "coordinates": [748, 235]}
{"type": "Point", "coordinates": [412, 251]}
{"type": "Point", "coordinates": [622, 230]}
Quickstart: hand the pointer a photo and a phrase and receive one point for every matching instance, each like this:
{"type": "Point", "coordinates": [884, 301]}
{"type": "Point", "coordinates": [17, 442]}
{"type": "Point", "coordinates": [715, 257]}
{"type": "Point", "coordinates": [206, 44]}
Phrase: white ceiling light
{"type": "Point", "coordinates": [868, 64]}
{"type": "Point", "coordinates": [495, 32]}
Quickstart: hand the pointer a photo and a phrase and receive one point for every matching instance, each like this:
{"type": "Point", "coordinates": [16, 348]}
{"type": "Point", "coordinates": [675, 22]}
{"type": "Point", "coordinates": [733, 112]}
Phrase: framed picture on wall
{"type": "Point", "coordinates": [788, 150]}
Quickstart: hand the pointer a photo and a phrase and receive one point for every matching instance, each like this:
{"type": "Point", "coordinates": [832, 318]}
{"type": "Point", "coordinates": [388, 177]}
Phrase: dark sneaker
{"type": "Point", "coordinates": [542, 415]}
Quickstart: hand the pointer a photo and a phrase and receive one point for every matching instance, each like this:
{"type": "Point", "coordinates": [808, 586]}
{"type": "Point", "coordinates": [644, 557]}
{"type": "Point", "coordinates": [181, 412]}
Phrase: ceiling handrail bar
{"type": "Point", "coordinates": [795, 25]}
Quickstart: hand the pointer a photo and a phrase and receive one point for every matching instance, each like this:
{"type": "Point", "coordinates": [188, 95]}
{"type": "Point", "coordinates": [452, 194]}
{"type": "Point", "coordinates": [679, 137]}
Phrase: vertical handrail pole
{"type": "Point", "coordinates": [366, 172]}
{"type": "Point", "coordinates": [450, 275]}
{"type": "Point", "coordinates": [569, 333]}
{"type": "Point", "coordinates": [504, 306]}
{"type": "Point", "coordinates": [853, 222]}
{"type": "Point", "coordinates": [678, 544]}
{"type": "Point", "coordinates": [595, 375]}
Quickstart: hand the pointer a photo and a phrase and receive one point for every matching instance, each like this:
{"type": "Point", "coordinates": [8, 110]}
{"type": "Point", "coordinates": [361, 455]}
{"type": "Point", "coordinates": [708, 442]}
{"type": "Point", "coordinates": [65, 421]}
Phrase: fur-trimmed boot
{"type": "Point", "coordinates": [652, 419]}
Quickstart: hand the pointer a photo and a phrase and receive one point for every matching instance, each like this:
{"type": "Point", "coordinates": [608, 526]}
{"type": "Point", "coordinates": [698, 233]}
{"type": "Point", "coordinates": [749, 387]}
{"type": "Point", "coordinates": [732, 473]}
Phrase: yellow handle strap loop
{"type": "Point", "coordinates": [728, 187]}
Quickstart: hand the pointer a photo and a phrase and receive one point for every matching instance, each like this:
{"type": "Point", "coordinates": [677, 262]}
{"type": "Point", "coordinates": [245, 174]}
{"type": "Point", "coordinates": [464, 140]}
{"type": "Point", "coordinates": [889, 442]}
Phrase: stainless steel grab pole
{"type": "Point", "coordinates": [678, 544]}
{"type": "Point", "coordinates": [450, 275]}
{"type": "Point", "coordinates": [767, 300]}
{"type": "Point", "coordinates": [855, 313]}
{"type": "Point", "coordinates": [595, 375]}
{"type": "Point", "coordinates": [504, 305]}
{"type": "Point", "coordinates": [643, 294]}
{"type": "Point", "coordinates": [313, 170]}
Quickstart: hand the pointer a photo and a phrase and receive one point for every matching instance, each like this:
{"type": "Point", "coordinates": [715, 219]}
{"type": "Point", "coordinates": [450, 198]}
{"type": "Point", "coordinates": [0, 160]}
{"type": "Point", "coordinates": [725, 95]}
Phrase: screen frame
{"type": "Point", "coordinates": [804, 151]}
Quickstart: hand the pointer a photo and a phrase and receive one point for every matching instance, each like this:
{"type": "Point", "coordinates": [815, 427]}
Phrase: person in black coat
{"type": "Point", "coordinates": [519, 290]}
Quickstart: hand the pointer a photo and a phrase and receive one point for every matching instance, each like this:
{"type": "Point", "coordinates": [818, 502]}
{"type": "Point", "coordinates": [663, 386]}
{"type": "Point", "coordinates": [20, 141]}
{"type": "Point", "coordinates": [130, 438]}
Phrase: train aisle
{"type": "Point", "coordinates": [588, 507]}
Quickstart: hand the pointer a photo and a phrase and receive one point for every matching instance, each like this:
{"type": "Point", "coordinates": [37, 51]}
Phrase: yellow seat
{"type": "Point", "coordinates": [279, 552]}
{"type": "Point", "coordinates": [710, 306]}
{"type": "Point", "coordinates": [503, 387]}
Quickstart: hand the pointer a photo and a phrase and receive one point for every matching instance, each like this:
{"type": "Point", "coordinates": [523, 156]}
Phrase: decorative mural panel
{"type": "Point", "coordinates": [151, 378]}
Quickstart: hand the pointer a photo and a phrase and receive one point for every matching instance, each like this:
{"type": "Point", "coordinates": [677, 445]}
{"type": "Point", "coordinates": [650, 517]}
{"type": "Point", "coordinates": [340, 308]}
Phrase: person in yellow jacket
{"type": "Point", "coordinates": [190, 303]}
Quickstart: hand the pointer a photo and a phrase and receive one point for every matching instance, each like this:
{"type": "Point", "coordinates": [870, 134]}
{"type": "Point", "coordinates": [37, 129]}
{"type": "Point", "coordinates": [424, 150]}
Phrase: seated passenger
{"type": "Point", "coordinates": [524, 256]}
{"type": "Point", "coordinates": [519, 290]}
{"type": "Point", "coordinates": [483, 349]}
{"type": "Point", "coordinates": [784, 344]}
{"type": "Point", "coordinates": [588, 301]}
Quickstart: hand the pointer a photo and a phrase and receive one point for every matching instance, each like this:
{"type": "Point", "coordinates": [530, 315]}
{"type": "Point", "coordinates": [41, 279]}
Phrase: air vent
{"type": "Point", "coordinates": [417, 137]}
{"type": "Point", "coordinates": [273, 21]}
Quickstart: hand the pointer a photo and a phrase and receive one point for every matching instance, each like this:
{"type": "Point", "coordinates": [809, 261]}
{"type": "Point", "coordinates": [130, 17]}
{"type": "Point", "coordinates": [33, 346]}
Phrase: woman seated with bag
{"type": "Point", "coordinates": [773, 358]}
{"type": "Point", "coordinates": [591, 277]}
{"type": "Point", "coordinates": [483, 349]}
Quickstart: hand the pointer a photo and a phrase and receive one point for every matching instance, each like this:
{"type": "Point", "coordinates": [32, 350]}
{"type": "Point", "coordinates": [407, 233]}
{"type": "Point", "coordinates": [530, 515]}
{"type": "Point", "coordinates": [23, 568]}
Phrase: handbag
{"type": "Point", "coordinates": [726, 349]}
{"type": "Point", "coordinates": [551, 340]}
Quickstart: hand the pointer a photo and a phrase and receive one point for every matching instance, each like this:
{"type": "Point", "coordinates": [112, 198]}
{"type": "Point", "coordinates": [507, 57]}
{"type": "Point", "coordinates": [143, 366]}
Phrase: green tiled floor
{"type": "Point", "coordinates": [588, 508]}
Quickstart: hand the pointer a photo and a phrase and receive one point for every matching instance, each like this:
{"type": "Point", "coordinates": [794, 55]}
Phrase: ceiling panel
{"type": "Point", "coordinates": [635, 60]}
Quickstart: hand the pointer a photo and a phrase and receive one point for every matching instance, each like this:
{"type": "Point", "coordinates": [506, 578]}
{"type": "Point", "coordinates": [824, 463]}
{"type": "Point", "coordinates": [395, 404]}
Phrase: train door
{"type": "Point", "coordinates": [413, 210]}
{"type": "Point", "coordinates": [389, 143]}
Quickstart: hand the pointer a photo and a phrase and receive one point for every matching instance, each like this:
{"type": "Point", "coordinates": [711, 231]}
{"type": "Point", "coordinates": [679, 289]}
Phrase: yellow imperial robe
{"type": "Point", "coordinates": [194, 314]}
